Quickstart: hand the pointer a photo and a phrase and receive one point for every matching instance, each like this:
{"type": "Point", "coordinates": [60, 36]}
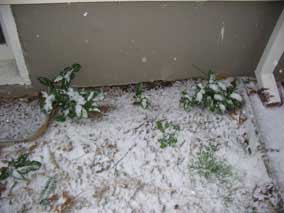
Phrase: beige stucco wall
{"type": "Point", "coordinates": [119, 43]}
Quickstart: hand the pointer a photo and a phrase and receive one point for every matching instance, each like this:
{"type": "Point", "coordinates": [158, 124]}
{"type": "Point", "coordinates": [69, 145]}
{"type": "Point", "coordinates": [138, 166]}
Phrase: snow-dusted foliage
{"type": "Point", "coordinates": [140, 98]}
{"type": "Point", "coordinates": [18, 168]}
{"type": "Point", "coordinates": [207, 165]}
{"type": "Point", "coordinates": [215, 95]}
{"type": "Point", "coordinates": [169, 133]}
{"type": "Point", "coordinates": [70, 102]}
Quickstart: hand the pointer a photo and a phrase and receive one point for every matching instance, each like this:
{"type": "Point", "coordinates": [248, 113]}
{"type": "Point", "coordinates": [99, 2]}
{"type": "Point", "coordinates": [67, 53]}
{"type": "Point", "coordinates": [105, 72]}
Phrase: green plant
{"type": "Point", "coordinates": [208, 166]}
{"type": "Point", "coordinates": [19, 167]}
{"type": "Point", "coordinates": [140, 98]}
{"type": "Point", "coordinates": [169, 133]}
{"type": "Point", "coordinates": [215, 95]}
{"type": "Point", "coordinates": [69, 101]}
{"type": "Point", "coordinates": [47, 190]}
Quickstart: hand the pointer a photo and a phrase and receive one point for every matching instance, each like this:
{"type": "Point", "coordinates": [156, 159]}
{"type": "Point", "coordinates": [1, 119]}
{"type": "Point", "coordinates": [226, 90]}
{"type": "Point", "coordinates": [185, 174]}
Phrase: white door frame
{"type": "Point", "coordinates": [269, 60]}
{"type": "Point", "coordinates": [12, 49]}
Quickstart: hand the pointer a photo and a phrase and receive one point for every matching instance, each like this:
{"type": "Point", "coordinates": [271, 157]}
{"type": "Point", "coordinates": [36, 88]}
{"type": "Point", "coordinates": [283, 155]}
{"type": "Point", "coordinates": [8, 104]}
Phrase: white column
{"type": "Point", "coordinates": [269, 60]}
{"type": "Point", "coordinates": [11, 36]}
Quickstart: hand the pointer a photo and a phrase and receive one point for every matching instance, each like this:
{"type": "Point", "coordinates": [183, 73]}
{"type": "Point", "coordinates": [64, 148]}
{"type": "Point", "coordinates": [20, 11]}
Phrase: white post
{"type": "Point", "coordinates": [269, 60]}
{"type": "Point", "coordinates": [11, 35]}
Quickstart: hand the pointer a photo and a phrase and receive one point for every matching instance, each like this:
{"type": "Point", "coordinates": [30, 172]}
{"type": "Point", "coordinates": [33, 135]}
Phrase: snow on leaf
{"type": "Point", "coordinates": [58, 78]}
{"type": "Point", "coordinates": [48, 101]}
{"type": "Point", "coordinates": [222, 107]}
{"type": "Point", "coordinates": [144, 103]}
{"type": "Point", "coordinates": [222, 86]}
{"type": "Point", "coordinates": [236, 97]}
{"type": "Point", "coordinates": [199, 95]}
{"type": "Point", "coordinates": [218, 97]}
{"type": "Point", "coordinates": [214, 87]}
{"type": "Point", "coordinates": [91, 95]}
{"type": "Point", "coordinates": [84, 113]}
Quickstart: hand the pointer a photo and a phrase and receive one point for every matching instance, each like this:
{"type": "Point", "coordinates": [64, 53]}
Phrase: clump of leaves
{"type": "Point", "coordinates": [139, 98]}
{"type": "Point", "coordinates": [19, 168]}
{"type": "Point", "coordinates": [209, 166]}
{"type": "Point", "coordinates": [169, 133]}
{"type": "Point", "coordinates": [214, 95]}
{"type": "Point", "coordinates": [69, 101]}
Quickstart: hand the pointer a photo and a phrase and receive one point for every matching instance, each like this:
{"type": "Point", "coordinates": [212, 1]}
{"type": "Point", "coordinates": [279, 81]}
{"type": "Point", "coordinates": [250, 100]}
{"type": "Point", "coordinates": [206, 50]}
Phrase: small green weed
{"type": "Point", "coordinates": [19, 168]}
{"type": "Point", "coordinates": [208, 166]}
{"type": "Point", "coordinates": [169, 133]}
{"type": "Point", "coordinates": [139, 98]}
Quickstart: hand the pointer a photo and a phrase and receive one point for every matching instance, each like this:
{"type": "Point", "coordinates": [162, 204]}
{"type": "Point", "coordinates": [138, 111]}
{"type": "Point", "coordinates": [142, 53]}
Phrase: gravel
{"type": "Point", "coordinates": [19, 119]}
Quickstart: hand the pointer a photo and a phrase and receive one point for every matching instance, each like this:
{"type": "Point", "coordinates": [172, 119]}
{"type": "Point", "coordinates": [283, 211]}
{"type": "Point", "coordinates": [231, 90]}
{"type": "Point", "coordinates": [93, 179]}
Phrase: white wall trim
{"type": "Point", "coordinates": [70, 1]}
{"type": "Point", "coordinates": [269, 60]}
{"type": "Point", "coordinates": [11, 35]}
{"type": "Point", "coordinates": [5, 52]}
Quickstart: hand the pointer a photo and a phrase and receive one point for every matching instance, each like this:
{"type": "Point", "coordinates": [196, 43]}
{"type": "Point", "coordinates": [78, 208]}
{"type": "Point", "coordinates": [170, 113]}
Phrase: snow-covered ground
{"type": "Point", "coordinates": [114, 163]}
{"type": "Point", "coordinates": [19, 119]}
{"type": "Point", "coordinates": [270, 121]}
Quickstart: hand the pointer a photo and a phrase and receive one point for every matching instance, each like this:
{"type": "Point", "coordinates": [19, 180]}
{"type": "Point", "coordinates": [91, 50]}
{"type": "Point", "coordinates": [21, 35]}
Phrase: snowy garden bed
{"type": "Point", "coordinates": [114, 162]}
{"type": "Point", "coordinates": [19, 119]}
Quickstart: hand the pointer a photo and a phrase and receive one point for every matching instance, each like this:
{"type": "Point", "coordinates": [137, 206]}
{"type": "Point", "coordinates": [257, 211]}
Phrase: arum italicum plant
{"type": "Point", "coordinates": [215, 95]}
{"type": "Point", "coordinates": [69, 101]}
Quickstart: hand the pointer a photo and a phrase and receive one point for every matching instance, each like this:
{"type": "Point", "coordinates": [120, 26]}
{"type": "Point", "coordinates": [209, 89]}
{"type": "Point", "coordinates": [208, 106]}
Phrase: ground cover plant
{"type": "Point", "coordinates": [139, 98]}
{"type": "Point", "coordinates": [19, 168]}
{"type": "Point", "coordinates": [209, 166]}
{"type": "Point", "coordinates": [214, 95]}
{"type": "Point", "coordinates": [169, 133]}
{"type": "Point", "coordinates": [70, 102]}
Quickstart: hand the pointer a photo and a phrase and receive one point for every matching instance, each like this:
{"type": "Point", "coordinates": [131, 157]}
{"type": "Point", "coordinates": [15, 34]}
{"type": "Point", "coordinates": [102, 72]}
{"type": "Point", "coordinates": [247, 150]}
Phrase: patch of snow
{"type": "Point", "coordinates": [218, 97]}
{"type": "Point", "coordinates": [20, 119]}
{"type": "Point", "coordinates": [144, 59]}
{"type": "Point", "coordinates": [79, 100]}
{"type": "Point", "coordinates": [199, 95]}
{"type": "Point", "coordinates": [275, 62]}
{"type": "Point", "coordinates": [214, 87]}
{"type": "Point", "coordinates": [222, 85]}
{"type": "Point", "coordinates": [48, 102]}
{"type": "Point", "coordinates": [270, 123]}
{"type": "Point", "coordinates": [236, 96]}
{"type": "Point", "coordinates": [115, 163]}
{"type": "Point", "coordinates": [222, 107]}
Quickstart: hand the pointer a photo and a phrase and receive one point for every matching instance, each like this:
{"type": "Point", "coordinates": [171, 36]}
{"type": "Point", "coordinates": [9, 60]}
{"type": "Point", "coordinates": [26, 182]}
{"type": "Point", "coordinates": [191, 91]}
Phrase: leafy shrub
{"type": "Point", "coordinates": [215, 95]}
{"type": "Point", "coordinates": [139, 98]}
{"type": "Point", "coordinates": [70, 102]}
{"type": "Point", "coordinates": [18, 168]}
{"type": "Point", "coordinates": [169, 133]}
{"type": "Point", "coordinates": [208, 166]}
